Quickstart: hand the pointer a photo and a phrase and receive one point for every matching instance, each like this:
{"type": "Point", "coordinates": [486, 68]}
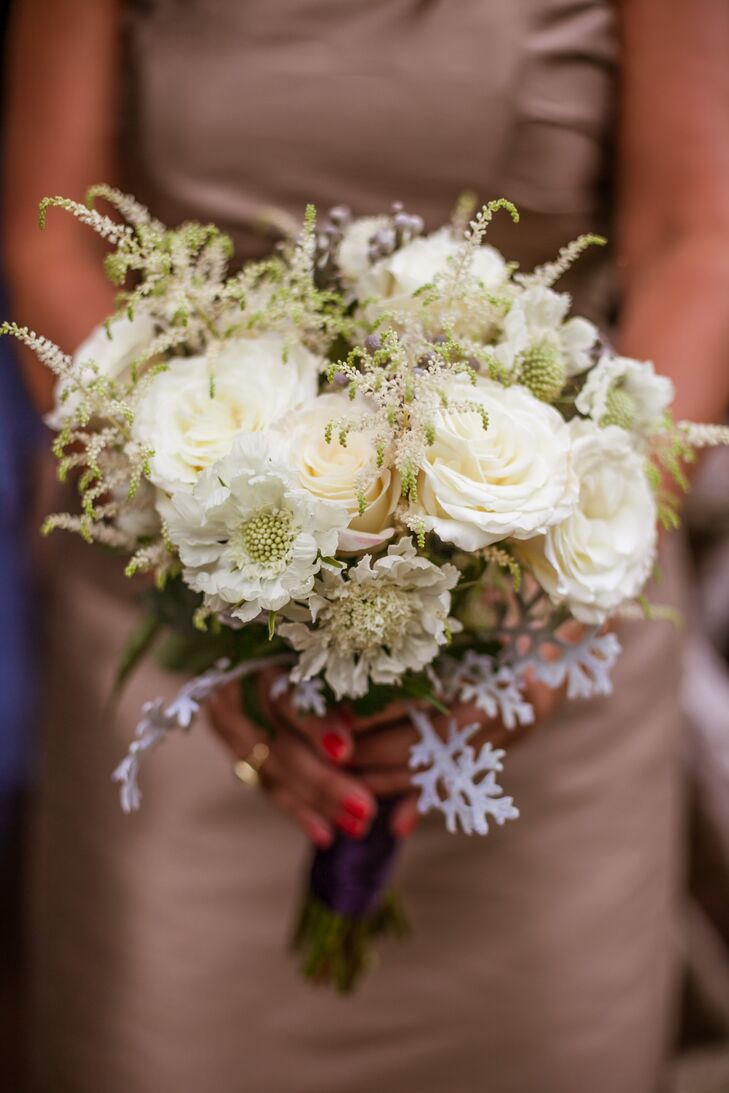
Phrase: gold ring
{"type": "Point", "coordinates": [248, 771]}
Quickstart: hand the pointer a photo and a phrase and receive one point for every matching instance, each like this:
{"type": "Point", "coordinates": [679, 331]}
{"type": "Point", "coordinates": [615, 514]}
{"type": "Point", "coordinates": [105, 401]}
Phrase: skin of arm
{"type": "Point", "coordinates": [60, 137]}
{"type": "Point", "coordinates": [673, 222]}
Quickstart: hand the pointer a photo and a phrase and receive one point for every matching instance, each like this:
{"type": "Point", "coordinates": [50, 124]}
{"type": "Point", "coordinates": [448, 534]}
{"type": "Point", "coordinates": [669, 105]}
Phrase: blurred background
{"type": "Point", "coordinates": [701, 1054]}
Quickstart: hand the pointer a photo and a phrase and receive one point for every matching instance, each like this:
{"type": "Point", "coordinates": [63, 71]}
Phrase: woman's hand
{"type": "Point", "coordinates": [329, 771]}
{"type": "Point", "coordinates": [303, 772]}
{"type": "Point", "coordinates": [382, 751]}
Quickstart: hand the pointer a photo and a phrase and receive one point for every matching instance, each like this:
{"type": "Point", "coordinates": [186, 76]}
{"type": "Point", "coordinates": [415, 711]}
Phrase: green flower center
{"type": "Point", "coordinates": [266, 539]}
{"type": "Point", "coordinates": [619, 408]}
{"type": "Point", "coordinates": [543, 371]}
{"type": "Point", "coordinates": [366, 617]}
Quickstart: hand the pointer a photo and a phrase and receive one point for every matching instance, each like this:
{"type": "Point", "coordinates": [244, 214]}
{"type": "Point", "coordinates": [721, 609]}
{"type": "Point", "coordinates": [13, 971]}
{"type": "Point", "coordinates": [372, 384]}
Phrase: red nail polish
{"type": "Point", "coordinates": [334, 745]}
{"type": "Point", "coordinates": [356, 807]}
{"type": "Point", "coordinates": [353, 827]}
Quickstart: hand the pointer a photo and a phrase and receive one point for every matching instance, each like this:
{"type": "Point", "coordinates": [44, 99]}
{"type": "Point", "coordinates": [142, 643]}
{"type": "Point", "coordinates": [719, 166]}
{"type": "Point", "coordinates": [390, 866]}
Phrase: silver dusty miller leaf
{"type": "Point", "coordinates": [493, 688]}
{"type": "Point", "coordinates": [456, 781]}
{"type": "Point", "coordinates": [159, 719]}
{"type": "Point", "coordinates": [307, 696]}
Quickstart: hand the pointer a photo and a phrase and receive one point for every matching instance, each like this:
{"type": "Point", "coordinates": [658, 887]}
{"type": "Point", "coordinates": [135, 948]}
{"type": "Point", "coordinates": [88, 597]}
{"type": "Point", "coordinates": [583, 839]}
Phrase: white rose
{"type": "Point", "coordinates": [513, 479]}
{"type": "Point", "coordinates": [190, 427]}
{"type": "Point", "coordinates": [626, 392]}
{"type": "Point", "coordinates": [102, 354]}
{"type": "Point", "coordinates": [353, 252]}
{"type": "Point", "coordinates": [601, 555]}
{"type": "Point", "coordinates": [335, 472]}
{"type": "Point", "coordinates": [393, 280]}
{"type": "Point", "coordinates": [538, 318]}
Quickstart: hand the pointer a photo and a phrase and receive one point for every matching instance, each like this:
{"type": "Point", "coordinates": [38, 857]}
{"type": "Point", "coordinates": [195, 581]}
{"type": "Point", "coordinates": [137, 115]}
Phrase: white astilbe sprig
{"type": "Point", "coordinates": [549, 273]}
{"type": "Point", "coordinates": [133, 211]}
{"type": "Point", "coordinates": [111, 230]}
{"type": "Point", "coordinates": [455, 780]}
{"type": "Point", "coordinates": [177, 299]}
{"type": "Point", "coordinates": [455, 283]}
{"type": "Point", "coordinates": [160, 718]}
{"type": "Point", "coordinates": [404, 398]}
{"type": "Point", "coordinates": [700, 435]}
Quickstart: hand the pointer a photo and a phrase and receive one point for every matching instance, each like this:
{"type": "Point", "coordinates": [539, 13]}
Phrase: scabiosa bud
{"type": "Point", "coordinates": [543, 371]}
{"type": "Point", "coordinates": [619, 408]}
{"type": "Point", "coordinates": [372, 343]}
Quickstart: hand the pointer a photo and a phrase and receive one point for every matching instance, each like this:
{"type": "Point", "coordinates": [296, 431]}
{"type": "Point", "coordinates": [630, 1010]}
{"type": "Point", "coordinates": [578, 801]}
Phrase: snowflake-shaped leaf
{"type": "Point", "coordinates": [458, 782]}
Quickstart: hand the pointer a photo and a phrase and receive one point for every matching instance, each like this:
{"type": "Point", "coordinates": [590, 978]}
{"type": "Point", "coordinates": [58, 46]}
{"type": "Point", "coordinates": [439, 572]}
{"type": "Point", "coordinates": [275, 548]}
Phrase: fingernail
{"type": "Point", "coordinates": [334, 745]}
{"type": "Point", "coordinates": [357, 807]}
{"type": "Point", "coordinates": [353, 827]}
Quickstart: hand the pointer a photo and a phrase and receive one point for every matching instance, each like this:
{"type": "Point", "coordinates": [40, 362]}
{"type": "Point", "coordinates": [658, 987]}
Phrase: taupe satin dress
{"type": "Point", "coordinates": [542, 957]}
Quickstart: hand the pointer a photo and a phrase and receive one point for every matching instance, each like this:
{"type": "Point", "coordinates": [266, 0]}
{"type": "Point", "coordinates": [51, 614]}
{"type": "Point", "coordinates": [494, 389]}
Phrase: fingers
{"type": "Point", "coordinates": [332, 794]}
{"type": "Point", "coordinates": [405, 817]}
{"type": "Point", "coordinates": [314, 827]}
{"type": "Point", "coordinates": [395, 712]}
{"type": "Point", "coordinates": [310, 789]}
{"type": "Point", "coordinates": [389, 747]}
{"type": "Point", "coordinates": [236, 730]}
{"type": "Point", "coordinates": [388, 782]}
{"type": "Point", "coordinates": [331, 735]}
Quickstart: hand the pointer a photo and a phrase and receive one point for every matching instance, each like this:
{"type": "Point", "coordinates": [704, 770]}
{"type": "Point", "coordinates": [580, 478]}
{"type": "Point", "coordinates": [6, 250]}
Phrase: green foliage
{"type": "Point", "coordinates": [414, 686]}
{"type": "Point", "coordinates": [137, 646]}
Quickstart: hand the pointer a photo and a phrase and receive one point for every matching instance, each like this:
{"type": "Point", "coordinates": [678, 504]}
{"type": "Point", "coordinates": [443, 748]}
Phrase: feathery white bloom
{"type": "Point", "coordinates": [191, 413]}
{"type": "Point", "coordinates": [137, 515]}
{"type": "Point", "coordinates": [248, 536]}
{"type": "Point", "coordinates": [376, 622]}
{"type": "Point", "coordinates": [101, 355]}
{"type": "Point", "coordinates": [626, 392]}
{"type": "Point", "coordinates": [513, 479]}
{"type": "Point", "coordinates": [390, 284]}
{"type": "Point", "coordinates": [538, 319]}
{"type": "Point", "coordinates": [601, 555]}
{"type": "Point", "coordinates": [338, 472]}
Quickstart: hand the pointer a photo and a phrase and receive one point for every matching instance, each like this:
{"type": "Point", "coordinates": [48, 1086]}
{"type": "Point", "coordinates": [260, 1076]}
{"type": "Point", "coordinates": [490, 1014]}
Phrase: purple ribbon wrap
{"type": "Point", "coordinates": [351, 875]}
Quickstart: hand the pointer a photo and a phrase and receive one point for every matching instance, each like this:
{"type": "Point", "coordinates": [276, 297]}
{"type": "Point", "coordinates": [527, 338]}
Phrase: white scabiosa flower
{"type": "Point", "coordinates": [343, 472]}
{"type": "Point", "coordinates": [512, 479]}
{"type": "Point", "coordinates": [375, 622]}
{"type": "Point", "coordinates": [191, 413]}
{"type": "Point", "coordinates": [541, 344]}
{"type": "Point", "coordinates": [248, 536]}
{"type": "Point", "coordinates": [107, 355]}
{"type": "Point", "coordinates": [601, 555]}
{"type": "Point", "coordinates": [625, 392]}
{"type": "Point", "coordinates": [390, 284]}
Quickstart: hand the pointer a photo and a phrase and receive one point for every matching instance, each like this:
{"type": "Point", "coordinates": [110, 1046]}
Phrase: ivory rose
{"type": "Point", "coordinates": [191, 422]}
{"type": "Point", "coordinates": [335, 472]}
{"type": "Point", "coordinates": [601, 555]}
{"type": "Point", "coordinates": [513, 479]}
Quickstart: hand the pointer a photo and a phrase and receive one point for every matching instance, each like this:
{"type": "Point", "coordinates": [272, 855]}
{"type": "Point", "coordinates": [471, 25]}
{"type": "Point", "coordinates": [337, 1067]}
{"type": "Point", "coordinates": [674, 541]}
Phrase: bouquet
{"type": "Point", "coordinates": [386, 461]}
